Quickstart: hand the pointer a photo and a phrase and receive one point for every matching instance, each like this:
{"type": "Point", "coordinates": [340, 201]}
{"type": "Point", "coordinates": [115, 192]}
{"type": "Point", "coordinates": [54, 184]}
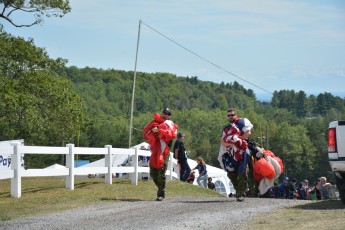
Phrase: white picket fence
{"type": "Point", "coordinates": [16, 173]}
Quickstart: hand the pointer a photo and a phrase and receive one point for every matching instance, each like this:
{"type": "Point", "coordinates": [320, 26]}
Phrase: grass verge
{"type": "Point", "coordinates": [325, 214]}
{"type": "Point", "coordinates": [48, 194]}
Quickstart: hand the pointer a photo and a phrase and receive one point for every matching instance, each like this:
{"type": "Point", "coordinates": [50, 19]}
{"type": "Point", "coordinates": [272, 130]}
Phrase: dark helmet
{"type": "Point", "coordinates": [167, 111]}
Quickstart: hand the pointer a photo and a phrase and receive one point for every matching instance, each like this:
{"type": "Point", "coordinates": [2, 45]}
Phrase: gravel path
{"type": "Point", "coordinates": [172, 213]}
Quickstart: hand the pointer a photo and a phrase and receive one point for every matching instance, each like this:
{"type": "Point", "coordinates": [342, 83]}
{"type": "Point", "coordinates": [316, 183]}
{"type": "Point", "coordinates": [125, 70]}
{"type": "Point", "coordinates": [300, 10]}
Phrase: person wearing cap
{"type": "Point", "coordinates": [181, 156]}
{"type": "Point", "coordinates": [160, 132]}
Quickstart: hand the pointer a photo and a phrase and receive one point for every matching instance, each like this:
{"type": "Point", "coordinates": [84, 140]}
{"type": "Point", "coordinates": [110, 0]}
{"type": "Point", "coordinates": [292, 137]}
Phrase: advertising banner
{"type": "Point", "coordinates": [5, 160]}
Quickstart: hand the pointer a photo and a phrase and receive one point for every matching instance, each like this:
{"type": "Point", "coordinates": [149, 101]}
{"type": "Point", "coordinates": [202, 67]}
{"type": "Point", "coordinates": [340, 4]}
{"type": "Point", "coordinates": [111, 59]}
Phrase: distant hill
{"type": "Point", "coordinates": [110, 91]}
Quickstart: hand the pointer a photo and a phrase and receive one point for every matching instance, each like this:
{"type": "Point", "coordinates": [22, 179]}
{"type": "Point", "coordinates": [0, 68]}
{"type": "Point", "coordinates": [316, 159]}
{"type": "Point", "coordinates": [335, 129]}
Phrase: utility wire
{"type": "Point", "coordinates": [199, 56]}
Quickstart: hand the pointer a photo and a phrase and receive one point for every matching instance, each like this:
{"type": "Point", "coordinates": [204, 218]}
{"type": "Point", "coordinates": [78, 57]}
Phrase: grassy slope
{"type": "Point", "coordinates": [48, 194]}
{"type": "Point", "coordinates": [328, 214]}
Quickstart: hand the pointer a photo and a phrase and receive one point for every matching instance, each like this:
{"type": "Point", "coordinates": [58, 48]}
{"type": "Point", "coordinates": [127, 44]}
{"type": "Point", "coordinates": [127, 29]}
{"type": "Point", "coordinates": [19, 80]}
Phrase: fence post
{"type": "Point", "coordinates": [16, 181]}
{"type": "Point", "coordinates": [170, 166]}
{"type": "Point", "coordinates": [134, 176]}
{"type": "Point", "coordinates": [70, 165]}
{"type": "Point", "coordinates": [176, 168]}
{"type": "Point", "coordinates": [108, 163]}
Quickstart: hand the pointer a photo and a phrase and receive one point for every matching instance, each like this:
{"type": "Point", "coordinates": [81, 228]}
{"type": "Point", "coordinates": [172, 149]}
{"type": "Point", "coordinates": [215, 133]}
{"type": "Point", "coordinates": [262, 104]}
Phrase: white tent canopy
{"type": "Point", "coordinates": [117, 159]}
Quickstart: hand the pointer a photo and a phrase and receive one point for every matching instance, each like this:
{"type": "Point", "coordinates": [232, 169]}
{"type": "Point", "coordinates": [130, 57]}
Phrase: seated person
{"type": "Point", "coordinates": [324, 188]}
{"type": "Point", "coordinates": [191, 177]}
{"type": "Point", "coordinates": [210, 184]}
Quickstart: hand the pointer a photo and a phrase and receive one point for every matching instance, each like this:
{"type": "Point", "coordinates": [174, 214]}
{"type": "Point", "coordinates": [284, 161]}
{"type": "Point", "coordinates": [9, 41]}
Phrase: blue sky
{"type": "Point", "coordinates": [273, 44]}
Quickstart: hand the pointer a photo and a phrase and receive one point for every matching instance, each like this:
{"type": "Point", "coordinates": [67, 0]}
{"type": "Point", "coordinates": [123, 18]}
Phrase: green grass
{"type": "Point", "coordinates": [48, 194]}
{"type": "Point", "coordinates": [326, 214]}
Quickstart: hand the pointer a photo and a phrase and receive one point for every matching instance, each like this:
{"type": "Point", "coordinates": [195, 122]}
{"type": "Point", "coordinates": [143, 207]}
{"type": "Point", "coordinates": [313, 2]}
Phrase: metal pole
{"type": "Point", "coordinates": [266, 137]}
{"type": "Point", "coordinates": [135, 76]}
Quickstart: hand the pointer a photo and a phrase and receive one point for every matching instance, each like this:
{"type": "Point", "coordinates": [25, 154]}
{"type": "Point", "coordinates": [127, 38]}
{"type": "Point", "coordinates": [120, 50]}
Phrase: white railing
{"type": "Point", "coordinates": [16, 173]}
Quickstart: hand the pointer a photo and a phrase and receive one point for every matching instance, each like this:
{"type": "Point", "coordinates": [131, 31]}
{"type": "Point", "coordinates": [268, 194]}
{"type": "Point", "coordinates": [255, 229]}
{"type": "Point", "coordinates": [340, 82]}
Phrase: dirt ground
{"type": "Point", "coordinates": [172, 213]}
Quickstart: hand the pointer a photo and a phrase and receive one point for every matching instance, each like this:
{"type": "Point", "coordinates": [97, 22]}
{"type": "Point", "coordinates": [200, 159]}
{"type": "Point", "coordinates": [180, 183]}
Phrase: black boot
{"type": "Point", "coordinates": [160, 195]}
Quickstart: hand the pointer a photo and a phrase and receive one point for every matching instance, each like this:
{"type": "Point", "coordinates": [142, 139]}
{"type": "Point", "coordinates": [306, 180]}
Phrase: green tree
{"type": "Point", "coordinates": [317, 132]}
{"type": "Point", "coordinates": [283, 115]}
{"type": "Point", "coordinates": [37, 8]}
{"type": "Point", "coordinates": [221, 102]}
{"type": "Point", "coordinates": [293, 146]}
{"type": "Point", "coordinates": [37, 104]}
{"type": "Point", "coordinates": [301, 105]}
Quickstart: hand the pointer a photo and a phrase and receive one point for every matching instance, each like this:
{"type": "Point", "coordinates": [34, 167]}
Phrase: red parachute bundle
{"type": "Point", "coordinates": [147, 134]}
{"type": "Point", "coordinates": [158, 141]}
{"type": "Point", "coordinates": [263, 169]}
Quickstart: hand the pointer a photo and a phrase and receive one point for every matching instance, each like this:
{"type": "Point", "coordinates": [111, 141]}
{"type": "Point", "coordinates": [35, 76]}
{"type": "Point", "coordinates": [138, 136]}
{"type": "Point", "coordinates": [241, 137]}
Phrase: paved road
{"type": "Point", "coordinates": [172, 213]}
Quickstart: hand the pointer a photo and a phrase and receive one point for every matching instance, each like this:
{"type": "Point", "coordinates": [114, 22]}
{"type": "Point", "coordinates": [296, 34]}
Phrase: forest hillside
{"type": "Point", "coordinates": [47, 103]}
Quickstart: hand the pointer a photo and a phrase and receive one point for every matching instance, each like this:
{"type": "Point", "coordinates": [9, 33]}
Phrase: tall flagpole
{"type": "Point", "coordinates": [135, 76]}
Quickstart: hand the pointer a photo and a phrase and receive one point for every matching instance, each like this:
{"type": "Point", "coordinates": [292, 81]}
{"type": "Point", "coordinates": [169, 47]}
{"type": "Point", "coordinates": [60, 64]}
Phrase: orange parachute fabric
{"type": "Point", "coordinates": [263, 169]}
{"type": "Point", "coordinates": [257, 176]}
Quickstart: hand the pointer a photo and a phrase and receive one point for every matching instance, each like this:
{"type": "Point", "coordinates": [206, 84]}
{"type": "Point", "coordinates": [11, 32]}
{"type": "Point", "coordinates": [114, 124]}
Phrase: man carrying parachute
{"type": "Point", "coordinates": [234, 154]}
{"type": "Point", "coordinates": [159, 133]}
